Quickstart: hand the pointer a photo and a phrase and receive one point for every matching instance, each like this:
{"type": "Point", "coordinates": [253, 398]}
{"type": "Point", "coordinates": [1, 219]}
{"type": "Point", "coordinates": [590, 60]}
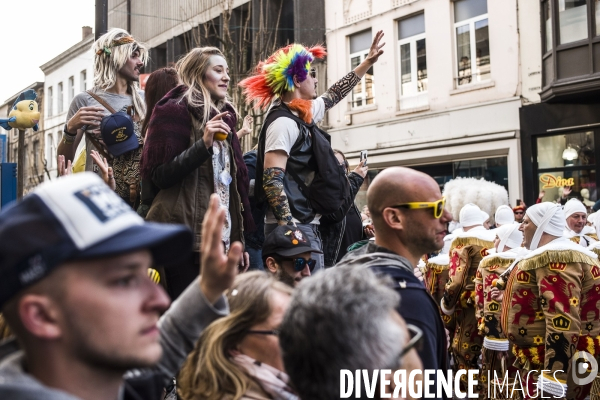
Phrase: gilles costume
{"type": "Point", "coordinates": [467, 251]}
{"type": "Point", "coordinates": [546, 303]}
{"type": "Point", "coordinates": [588, 234]}
{"type": "Point", "coordinates": [495, 352]}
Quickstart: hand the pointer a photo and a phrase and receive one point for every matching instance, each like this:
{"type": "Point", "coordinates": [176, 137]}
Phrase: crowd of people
{"type": "Point", "coordinates": [177, 266]}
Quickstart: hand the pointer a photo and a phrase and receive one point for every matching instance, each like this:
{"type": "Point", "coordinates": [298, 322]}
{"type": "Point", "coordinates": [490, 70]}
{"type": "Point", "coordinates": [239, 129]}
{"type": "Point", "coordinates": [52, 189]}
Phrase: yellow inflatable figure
{"type": "Point", "coordinates": [24, 113]}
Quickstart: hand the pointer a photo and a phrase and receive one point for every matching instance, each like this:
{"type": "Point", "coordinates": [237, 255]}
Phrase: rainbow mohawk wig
{"type": "Point", "coordinates": [275, 76]}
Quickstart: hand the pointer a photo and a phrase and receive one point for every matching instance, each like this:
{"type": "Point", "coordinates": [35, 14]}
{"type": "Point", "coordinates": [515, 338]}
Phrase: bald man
{"type": "Point", "coordinates": [408, 213]}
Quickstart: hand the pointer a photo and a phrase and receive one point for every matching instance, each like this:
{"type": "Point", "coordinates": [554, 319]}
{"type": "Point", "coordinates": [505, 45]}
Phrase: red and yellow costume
{"type": "Point", "coordinates": [550, 302]}
{"type": "Point", "coordinates": [466, 252]}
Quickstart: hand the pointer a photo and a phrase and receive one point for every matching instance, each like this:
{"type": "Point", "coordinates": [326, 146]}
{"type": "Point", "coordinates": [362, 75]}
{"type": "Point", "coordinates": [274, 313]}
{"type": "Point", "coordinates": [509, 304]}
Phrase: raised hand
{"type": "Point", "coordinates": [218, 269]}
{"type": "Point", "coordinates": [105, 170]}
{"type": "Point", "coordinates": [375, 50]}
{"type": "Point", "coordinates": [361, 169]}
{"type": "Point", "coordinates": [246, 127]}
{"type": "Point", "coordinates": [64, 169]}
{"type": "Point", "coordinates": [214, 126]}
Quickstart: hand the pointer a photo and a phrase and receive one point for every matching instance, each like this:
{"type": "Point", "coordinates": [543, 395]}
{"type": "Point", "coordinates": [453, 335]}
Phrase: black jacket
{"type": "Point", "coordinates": [332, 231]}
{"type": "Point", "coordinates": [417, 307]}
{"type": "Point", "coordinates": [255, 239]}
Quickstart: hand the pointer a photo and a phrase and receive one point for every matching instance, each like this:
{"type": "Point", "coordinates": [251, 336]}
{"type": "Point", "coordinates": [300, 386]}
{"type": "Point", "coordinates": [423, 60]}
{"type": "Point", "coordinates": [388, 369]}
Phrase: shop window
{"type": "Point", "coordinates": [413, 62]}
{"type": "Point", "coordinates": [582, 184]}
{"type": "Point", "coordinates": [363, 94]}
{"type": "Point", "coordinates": [472, 41]}
{"type": "Point", "coordinates": [494, 169]}
{"type": "Point", "coordinates": [567, 160]}
{"type": "Point", "coordinates": [571, 150]}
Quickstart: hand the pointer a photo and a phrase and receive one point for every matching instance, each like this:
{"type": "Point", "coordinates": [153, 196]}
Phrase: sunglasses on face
{"type": "Point", "coordinates": [300, 263]}
{"type": "Point", "coordinates": [313, 73]}
{"type": "Point", "coordinates": [438, 206]}
{"type": "Point", "coordinates": [416, 336]}
{"type": "Point", "coordinates": [518, 212]}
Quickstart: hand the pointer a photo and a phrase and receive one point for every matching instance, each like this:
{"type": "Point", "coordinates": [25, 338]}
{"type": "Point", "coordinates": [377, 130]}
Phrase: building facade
{"type": "Point", "coordinates": [66, 75]}
{"type": "Point", "coordinates": [561, 132]}
{"type": "Point", "coordinates": [445, 96]}
{"type": "Point", "coordinates": [245, 30]}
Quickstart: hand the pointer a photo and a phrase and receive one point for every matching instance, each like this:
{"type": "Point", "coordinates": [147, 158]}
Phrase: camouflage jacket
{"type": "Point", "coordinates": [544, 297]}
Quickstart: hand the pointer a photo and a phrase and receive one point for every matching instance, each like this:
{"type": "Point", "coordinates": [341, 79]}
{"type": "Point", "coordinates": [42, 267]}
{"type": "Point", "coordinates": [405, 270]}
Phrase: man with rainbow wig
{"type": "Point", "coordinates": [287, 81]}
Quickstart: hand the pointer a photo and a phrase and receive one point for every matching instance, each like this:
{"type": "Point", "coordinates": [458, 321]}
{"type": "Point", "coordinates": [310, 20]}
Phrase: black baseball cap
{"type": "Point", "coordinates": [287, 241]}
{"type": "Point", "coordinates": [76, 217]}
{"type": "Point", "coordinates": [118, 133]}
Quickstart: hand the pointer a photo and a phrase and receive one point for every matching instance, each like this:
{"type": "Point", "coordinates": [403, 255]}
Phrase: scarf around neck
{"type": "Point", "coordinates": [270, 379]}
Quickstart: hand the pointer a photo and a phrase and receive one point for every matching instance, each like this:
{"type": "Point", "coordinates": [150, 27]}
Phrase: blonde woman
{"type": "Point", "coordinates": [238, 356]}
{"type": "Point", "coordinates": [192, 151]}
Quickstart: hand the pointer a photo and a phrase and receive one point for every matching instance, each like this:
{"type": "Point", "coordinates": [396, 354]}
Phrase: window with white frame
{"type": "Point", "coordinates": [364, 93]}
{"type": "Point", "coordinates": [472, 41]}
{"type": "Point", "coordinates": [71, 88]}
{"type": "Point", "coordinates": [50, 151]}
{"type": "Point", "coordinates": [50, 101]}
{"type": "Point", "coordinates": [83, 81]}
{"type": "Point", "coordinates": [413, 61]}
{"type": "Point", "coordinates": [59, 98]}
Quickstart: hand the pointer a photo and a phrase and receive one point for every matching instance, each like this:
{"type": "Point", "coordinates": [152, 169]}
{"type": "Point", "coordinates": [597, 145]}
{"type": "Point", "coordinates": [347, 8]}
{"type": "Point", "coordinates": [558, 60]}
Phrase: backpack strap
{"type": "Point", "coordinates": [101, 101]}
{"type": "Point", "coordinates": [92, 139]}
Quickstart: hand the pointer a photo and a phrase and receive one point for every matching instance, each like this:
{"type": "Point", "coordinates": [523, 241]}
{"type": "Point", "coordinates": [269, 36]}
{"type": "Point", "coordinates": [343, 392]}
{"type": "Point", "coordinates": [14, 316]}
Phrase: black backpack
{"type": "Point", "coordinates": [330, 186]}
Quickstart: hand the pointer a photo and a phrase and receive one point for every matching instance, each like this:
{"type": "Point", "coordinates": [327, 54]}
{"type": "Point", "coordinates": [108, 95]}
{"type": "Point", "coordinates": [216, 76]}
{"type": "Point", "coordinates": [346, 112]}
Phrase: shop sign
{"type": "Point", "coordinates": [550, 181]}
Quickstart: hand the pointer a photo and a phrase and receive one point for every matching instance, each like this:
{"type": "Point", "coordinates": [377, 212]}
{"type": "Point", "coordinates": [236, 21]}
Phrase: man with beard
{"type": "Point", "coordinates": [410, 219]}
{"type": "Point", "coordinates": [118, 60]}
{"type": "Point", "coordinates": [287, 254]}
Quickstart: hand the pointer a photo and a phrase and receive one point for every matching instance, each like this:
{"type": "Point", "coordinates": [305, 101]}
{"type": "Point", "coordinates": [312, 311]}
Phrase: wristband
{"type": "Point", "coordinates": [67, 133]}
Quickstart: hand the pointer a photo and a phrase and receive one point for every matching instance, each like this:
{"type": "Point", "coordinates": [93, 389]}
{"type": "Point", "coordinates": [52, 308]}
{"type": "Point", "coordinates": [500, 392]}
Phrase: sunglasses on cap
{"type": "Point", "coordinates": [438, 206]}
{"type": "Point", "coordinates": [300, 263]}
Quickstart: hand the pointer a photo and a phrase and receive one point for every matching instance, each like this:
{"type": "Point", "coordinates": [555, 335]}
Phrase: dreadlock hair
{"type": "Point", "coordinates": [275, 76]}
{"type": "Point", "coordinates": [112, 50]}
{"type": "Point", "coordinates": [192, 69]}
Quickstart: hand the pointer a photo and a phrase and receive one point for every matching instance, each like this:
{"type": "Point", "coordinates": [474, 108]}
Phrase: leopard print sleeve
{"type": "Point", "coordinates": [339, 90]}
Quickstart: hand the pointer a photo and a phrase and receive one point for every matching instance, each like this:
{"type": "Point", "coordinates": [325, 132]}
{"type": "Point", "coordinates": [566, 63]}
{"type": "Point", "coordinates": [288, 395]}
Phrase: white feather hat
{"type": "Point", "coordinates": [462, 191]}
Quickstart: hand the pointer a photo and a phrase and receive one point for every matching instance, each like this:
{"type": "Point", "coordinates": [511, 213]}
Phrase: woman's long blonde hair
{"type": "Point", "coordinates": [208, 372]}
{"type": "Point", "coordinates": [109, 59]}
{"type": "Point", "coordinates": [191, 69]}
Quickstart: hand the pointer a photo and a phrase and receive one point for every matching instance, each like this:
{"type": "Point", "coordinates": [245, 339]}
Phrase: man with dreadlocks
{"type": "Point", "coordinates": [117, 63]}
{"type": "Point", "coordinates": [286, 81]}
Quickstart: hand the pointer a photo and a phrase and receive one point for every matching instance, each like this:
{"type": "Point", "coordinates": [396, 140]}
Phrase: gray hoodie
{"type": "Point", "coordinates": [180, 327]}
{"type": "Point", "coordinates": [371, 254]}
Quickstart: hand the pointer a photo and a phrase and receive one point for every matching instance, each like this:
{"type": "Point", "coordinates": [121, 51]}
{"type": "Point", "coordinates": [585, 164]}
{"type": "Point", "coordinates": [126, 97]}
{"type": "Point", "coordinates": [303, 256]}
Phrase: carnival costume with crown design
{"type": "Point", "coordinates": [495, 352]}
{"type": "Point", "coordinates": [466, 252]}
{"type": "Point", "coordinates": [550, 306]}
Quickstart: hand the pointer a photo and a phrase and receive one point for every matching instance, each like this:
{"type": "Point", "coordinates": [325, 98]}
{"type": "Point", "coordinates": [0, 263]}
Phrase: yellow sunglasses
{"type": "Point", "coordinates": [438, 206]}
